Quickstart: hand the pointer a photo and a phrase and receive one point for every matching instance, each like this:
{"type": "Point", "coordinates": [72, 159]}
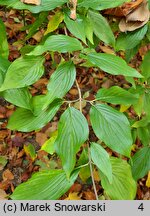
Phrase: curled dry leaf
{"type": "Point", "coordinates": [34, 2]}
{"type": "Point", "coordinates": [136, 19]}
{"type": "Point", "coordinates": [125, 9]}
{"type": "Point", "coordinates": [7, 175]}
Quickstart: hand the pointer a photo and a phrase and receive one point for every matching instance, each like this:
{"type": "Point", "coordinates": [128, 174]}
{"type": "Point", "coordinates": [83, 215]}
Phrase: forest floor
{"type": "Point", "coordinates": [19, 164]}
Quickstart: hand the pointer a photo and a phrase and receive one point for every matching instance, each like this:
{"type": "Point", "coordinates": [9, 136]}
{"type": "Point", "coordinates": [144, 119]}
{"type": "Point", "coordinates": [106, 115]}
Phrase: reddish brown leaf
{"type": "Point", "coordinates": [41, 138]}
{"type": "Point", "coordinates": [125, 9]}
{"type": "Point", "coordinates": [136, 19]}
{"type": "Point", "coordinates": [7, 175]}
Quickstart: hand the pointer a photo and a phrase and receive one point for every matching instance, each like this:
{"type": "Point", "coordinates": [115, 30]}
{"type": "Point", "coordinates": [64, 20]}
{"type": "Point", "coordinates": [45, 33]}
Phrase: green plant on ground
{"type": "Point", "coordinates": [113, 127]}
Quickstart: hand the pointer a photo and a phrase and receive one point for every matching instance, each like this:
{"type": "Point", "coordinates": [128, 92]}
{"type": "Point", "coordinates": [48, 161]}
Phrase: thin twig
{"type": "Point", "coordinates": [80, 96]}
{"type": "Point", "coordinates": [73, 101]}
{"type": "Point", "coordinates": [91, 171]}
{"type": "Point", "coordinates": [84, 165]}
{"type": "Point", "coordinates": [23, 16]}
{"type": "Point", "coordinates": [65, 30]}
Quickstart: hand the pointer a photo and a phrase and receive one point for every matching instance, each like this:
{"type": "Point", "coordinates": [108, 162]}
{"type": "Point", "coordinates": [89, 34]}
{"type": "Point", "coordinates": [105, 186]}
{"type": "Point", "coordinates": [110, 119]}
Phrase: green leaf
{"type": "Point", "coordinates": [123, 186]}
{"type": "Point", "coordinates": [130, 40]}
{"type": "Point", "coordinates": [102, 160]}
{"type": "Point", "coordinates": [146, 103]}
{"type": "Point", "coordinates": [138, 107]}
{"type": "Point", "coordinates": [48, 146]}
{"type": "Point", "coordinates": [141, 123]}
{"type": "Point", "coordinates": [88, 29]}
{"type": "Point", "coordinates": [145, 66]}
{"type": "Point", "coordinates": [148, 31]}
{"type": "Point", "coordinates": [23, 120]}
{"type": "Point", "coordinates": [130, 53]}
{"type": "Point", "coordinates": [140, 163]}
{"type": "Point", "coordinates": [112, 127]}
{"type": "Point", "coordinates": [20, 97]}
{"type": "Point", "coordinates": [72, 133]}
{"type": "Point", "coordinates": [23, 72]}
{"type": "Point", "coordinates": [59, 84]}
{"type": "Point", "coordinates": [144, 135]}
{"type": "Point", "coordinates": [4, 64]}
{"type": "Point", "coordinates": [4, 51]}
{"type": "Point", "coordinates": [84, 158]}
{"type": "Point", "coordinates": [116, 95]}
{"type": "Point", "coordinates": [37, 24]}
{"type": "Point", "coordinates": [59, 43]}
{"type": "Point", "coordinates": [46, 5]}
{"type": "Point", "coordinates": [76, 27]}
{"type": "Point", "coordinates": [61, 80]}
{"type": "Point", "coordinates": [101, 27]}
{"type": "Point", "coordinates": [54, 22]}
{"type": "Point", "coordinates": [112, 64]}
{"type": "Point", "coordinates": [100, 4]}
{"type": "Point", "coordinates": [44, 185]}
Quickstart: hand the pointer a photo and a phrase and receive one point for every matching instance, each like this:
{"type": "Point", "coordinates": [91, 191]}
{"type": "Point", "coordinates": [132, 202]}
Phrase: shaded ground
{"type": "Point", "coordinates": [20, 165]}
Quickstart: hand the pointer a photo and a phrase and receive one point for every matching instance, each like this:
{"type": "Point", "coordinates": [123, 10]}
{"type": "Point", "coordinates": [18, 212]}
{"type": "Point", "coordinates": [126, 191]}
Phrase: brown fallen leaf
{"type": "Point", "coordinates": [73, 91]}
{"type": "Point", "coordinates": [106, 49]}
{"type": "Point", "coordinates": [76, 187]}
{"type": "Point", "coordinates": [37, 36]}
{"type": "Point", "coordinates": [139, 14]}
{"type": "Point", "coordinates": [41, 138]}
{"type": "Point", "coordinates": [136, 19]}
{"type": "Point", "coordinates": [96, 175]}
{"type": "Point", "coordinates": [131, 26]}
{"type": "Point", "coordinates": [89, 195]}
{"type": "Point", "coordinates": [15, 27]}
{"type": "Point", "coordinates": [125, 9]}
{"type": "Point", "coordinates": [34, 2]}
{"type": "Point", "coordinates": [3, 134]}
{"type": "Point", "coordinates": [7, 175]}
{"type": "Point", "coordinates": [3, 195]}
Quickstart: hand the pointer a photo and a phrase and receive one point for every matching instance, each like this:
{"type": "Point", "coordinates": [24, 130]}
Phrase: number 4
{"type": "Point", "coordinates": [141, 207]}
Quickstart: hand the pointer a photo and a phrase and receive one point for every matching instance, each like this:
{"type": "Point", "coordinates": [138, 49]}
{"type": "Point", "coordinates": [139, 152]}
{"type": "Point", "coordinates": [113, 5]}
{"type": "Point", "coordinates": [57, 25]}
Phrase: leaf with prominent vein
{"type": "Point", "coordinates": [46, 5]}
{"type": "Point", "coordinates": [20, 97]}
{"type": "Point", "coordinates": [4, 51]}
{"type": "Point", "coordinates": [123, 186]}
{"type": "Point", "coordinates": [23, 72]}
{"type": "Point", "coordinates": [76, 27]}
{"type": "Point", "coordinates": [4, 65]}
{"type": "Point", "coordinates": [112, 127]}
{"type": "Point", "coordinates": [130, 40]}
{"type": "Point", "coordinates": [116, 95]}
{"type": "Point", "coordinates": [59, 84]}
{"type": "Point", "coordinates": [24, 120]}
{"type": "Point", "coordinates": [101, 27]}
{"type": "Point", "coordinates": [59, 43]}
{"type": "Point", "coordinates": [100, 4]}
{"type": "Point", "coordinates": [72, 133]}
{"type": "Point", "coordinates": [112, 64]}
{"type": "Point", "coordinates": [44, 185]}
{"type": "Point", "coordinates": [140, 163]}
{"type": "Point", "coordinates": [101, 159]}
